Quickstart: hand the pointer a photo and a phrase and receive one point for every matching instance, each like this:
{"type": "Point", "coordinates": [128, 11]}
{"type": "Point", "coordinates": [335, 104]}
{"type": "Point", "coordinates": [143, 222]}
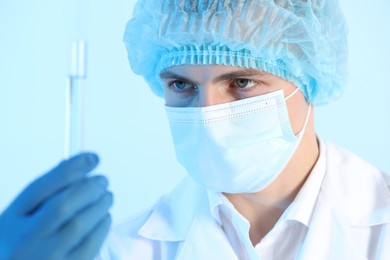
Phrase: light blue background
{"type": "Point", "coordinates": [125, 123]}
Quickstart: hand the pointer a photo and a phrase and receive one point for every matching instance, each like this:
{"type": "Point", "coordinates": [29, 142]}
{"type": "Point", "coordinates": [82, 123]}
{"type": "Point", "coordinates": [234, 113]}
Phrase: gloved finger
{"type": "Point", "coordinates": [64, 206]}
{"type": "Point", "coordinates": [77, 229]}
{"type": "Point", "coordinates": [90, 246]}
{"type": "Point", "coordinates": [41, 189]}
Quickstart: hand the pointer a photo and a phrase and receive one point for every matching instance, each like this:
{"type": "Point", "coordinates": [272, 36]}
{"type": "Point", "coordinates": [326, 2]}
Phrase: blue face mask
{"type": "Point", "coordinates": [237, 147]}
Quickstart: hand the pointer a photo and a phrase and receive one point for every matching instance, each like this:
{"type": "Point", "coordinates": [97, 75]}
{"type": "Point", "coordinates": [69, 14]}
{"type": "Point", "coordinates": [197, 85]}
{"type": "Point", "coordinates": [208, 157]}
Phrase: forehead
{"type": "Point", "coordinates": [210, 71]}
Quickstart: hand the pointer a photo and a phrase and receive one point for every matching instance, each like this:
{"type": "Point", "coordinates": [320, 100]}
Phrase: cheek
{"type": "Point", "coordinates": [297, 111]}
{"type": "Point", "coordinates": [170, 99]}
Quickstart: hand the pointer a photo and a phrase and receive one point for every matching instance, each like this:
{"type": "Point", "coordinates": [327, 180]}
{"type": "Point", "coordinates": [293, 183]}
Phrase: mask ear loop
{"type": "Point", "coordinates": [307, 115]}
{"type": "Point", "coordinates": [306, 121]}
{"type": "Point", "coordinates": [292, 94]}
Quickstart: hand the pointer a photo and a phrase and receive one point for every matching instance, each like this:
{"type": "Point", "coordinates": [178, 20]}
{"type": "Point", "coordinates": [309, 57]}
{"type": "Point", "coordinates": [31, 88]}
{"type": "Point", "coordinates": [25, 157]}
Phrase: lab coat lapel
{"type": "Point", "coordinates": [172, 217]}
{"type": "Point", "coordinates": [206, 240]}
{"type": "Point", "coordinates": [184, 216]}
{"type": "Point", "coordinates": [329, 236]}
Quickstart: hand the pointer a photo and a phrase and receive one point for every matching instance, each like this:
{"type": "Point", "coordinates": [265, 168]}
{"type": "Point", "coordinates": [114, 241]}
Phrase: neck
{"type": "Point", "coordinates": [263, 209]}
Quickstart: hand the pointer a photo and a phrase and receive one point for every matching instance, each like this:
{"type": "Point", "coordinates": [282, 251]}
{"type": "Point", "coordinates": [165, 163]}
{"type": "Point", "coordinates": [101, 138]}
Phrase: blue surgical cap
{"type": "Point", "coordinates": [302, 41]}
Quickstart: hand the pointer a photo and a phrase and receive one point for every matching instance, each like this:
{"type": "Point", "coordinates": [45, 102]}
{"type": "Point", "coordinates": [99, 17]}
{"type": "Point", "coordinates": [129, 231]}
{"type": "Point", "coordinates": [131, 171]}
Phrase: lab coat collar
{"type": "Point", "coordinates": [302, 208]}
{"type": "Point", "coordinates": [216, 199]}
{"type": "Point", "coordinates": [173, 216]}
{"type": "Point", "coordinates": [184, 215]}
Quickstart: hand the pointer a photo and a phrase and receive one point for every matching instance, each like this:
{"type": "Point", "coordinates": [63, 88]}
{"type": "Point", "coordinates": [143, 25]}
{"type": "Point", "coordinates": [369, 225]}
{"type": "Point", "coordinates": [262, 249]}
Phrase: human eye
{"type": "Point", "coordinates": [242, 83]}
{"type": "Point", "coordinates": [181, 86]}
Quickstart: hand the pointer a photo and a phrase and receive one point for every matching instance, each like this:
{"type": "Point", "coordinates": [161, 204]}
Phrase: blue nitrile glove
{"type": "Point", "coordinates": [61, 215]}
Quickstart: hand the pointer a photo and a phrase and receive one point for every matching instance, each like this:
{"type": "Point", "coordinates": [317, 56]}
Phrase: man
{"type": "Point", "coordinates": [240, 79]}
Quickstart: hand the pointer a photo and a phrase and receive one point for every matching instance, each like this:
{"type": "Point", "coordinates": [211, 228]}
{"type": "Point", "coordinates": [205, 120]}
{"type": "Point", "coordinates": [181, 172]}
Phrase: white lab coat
{"type": "Point", "coordinates": [351, 220]}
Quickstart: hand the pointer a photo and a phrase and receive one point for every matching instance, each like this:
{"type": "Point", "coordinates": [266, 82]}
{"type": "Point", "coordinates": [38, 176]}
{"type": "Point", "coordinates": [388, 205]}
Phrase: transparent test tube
{"type": "Point", "coordinates": [75, 88]}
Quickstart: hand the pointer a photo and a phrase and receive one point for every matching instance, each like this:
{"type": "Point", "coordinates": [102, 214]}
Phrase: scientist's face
{"type": "Point", "coordinates": [207, 85]}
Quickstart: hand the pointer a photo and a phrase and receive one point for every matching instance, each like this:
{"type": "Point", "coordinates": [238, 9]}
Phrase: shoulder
{"type": "Point", "coordinates": [357, 188]}
{"type": "Point", "coordinates": [346, 164]}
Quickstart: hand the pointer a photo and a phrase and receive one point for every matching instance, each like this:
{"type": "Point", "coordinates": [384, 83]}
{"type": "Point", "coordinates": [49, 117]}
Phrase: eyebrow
{"type": "Point", "coordinates": [166, 74]}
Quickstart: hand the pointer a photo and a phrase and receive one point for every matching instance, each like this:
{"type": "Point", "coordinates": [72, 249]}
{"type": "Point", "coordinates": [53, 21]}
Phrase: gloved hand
{"type": "Point", "coordinates": [61, 215]}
